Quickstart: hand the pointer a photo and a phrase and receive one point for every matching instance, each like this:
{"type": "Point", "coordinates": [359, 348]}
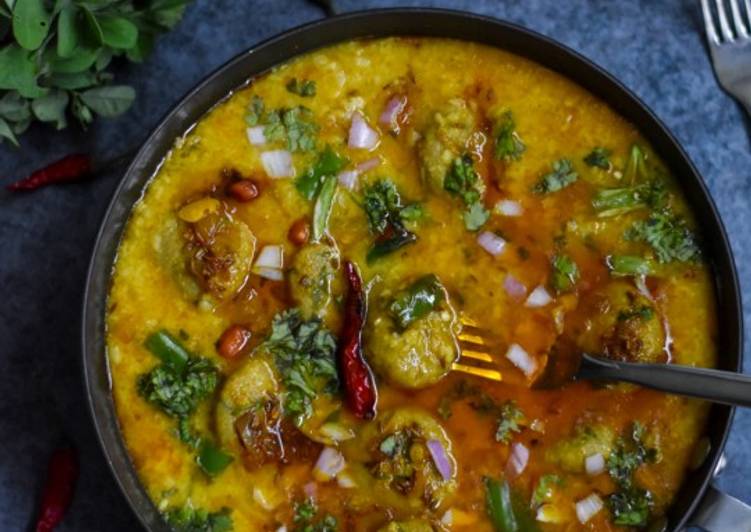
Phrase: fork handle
{"type": "Point", "coordinates": [713, 385]}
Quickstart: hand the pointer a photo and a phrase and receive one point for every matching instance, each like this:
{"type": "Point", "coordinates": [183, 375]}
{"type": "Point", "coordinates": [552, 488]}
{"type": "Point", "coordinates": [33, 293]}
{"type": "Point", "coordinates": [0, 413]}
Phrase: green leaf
{"type": "Point", "coordinates": [103, 59]}
{"type": "Point", "coordinates": [323, 205]}
{"type": "Point", "coordinates": [167, 13]}
{"type": "Point", "coordinates": [81, 112]}
{"type": "Point", "coordinates": [475, 216]}
{"type": "Point", "coordinates": [78, 80]}
{"type": "Point", "coordinates": [79, 60]}
{"type": "Point", "coordinates": [6, 132]}
{"type": "Point", "coordinates": [51, 108]}
{"type": "Point", "coordinates": [142, 48]}
{"type": "Point", "coordinates": [20, 127]}
{"type": "Point", "coordinates": [13, 107]}
{"type": "Point", "coordinates": [67, 32]}
{"type": "Point", "coordinates": [31, 23]}
{"type": "Point", "coordinates": [118, 32]}
{"type": "Point", "coordinates": [109, 101]}
{"type": "Point", "coordinates": [18, 71]}
{"type": "Point", "coordinates": [93, 29]}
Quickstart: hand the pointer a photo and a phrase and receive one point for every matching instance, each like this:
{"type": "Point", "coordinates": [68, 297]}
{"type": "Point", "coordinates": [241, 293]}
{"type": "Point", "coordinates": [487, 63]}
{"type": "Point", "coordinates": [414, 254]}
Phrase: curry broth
{"type": "Point", "coordinates": [555, 118]}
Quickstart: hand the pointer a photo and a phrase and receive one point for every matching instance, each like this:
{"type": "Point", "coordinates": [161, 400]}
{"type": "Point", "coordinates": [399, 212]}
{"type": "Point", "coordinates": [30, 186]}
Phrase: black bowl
{"type": "Point", "coordinates": [381, 23]}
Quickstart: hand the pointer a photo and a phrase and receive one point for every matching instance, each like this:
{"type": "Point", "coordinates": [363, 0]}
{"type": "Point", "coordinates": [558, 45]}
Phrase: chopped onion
{"type": "Point", "coordinates": [330, 462]}
{"type": "Point", "coordinates": [263, 499]}
{"type": "Point", "coordinates": [256, 135]}
{"type": "Point", "coordinates": [269, 263]}
{"type": "Point", "coordinates": [348, 179]}
{"type": "Point", "coordinates": [310, 490]}
{"type": "Point", "coordinates": [440, 458]}
{"type": "Point", "coordinates": [513, 287]}
{"type": "Point", "coordinates": [491, 242]}
{"type": "Point", "coordinates": [269, 273]}
{"type": "Point", "coordinates": [517, 462]}
{"type": "Point", "coordinates": [361, 135]}
{"type": "Point", "coordinates": [282, 528]}
{"type": "Point", "coordinates": [588, 507]}
{"type": "Point", "coordinates": [270, 257]}
{"type": "Point", "coordinates": [345, 480]}
{"type": "Point", "coordinates": [509, 208]}
{"type": "Point", "coordinates": [448, 517]}
{"type": "Point", "coordinates": [641, 285]}
{"type": "Point", "coordinates": [391, 111]}
{"type": "Point", "coordinates": [278, 163]}
{"type": "Point", "coordinates": [539, 297]}
{"type": "Point", "coordinates": [368, 165]}
{"type": "Point", "coordinates": [594, 464]}
{"type": "Point", "coordinates": [336, 431]}
{"type": "Point", "coordinates": [521, 359]}
{"type": "Point", "coordinates": [550, 513]}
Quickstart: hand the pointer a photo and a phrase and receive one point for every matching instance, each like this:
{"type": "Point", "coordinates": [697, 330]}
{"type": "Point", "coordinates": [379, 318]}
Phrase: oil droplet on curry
{"type": "Point", "coordinates": [338, 303]}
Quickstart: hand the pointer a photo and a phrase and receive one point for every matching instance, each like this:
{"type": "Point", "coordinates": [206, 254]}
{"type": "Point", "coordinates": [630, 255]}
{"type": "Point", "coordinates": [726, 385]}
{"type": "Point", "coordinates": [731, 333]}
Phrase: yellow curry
{"type": "Point", "coordinates": [338, 301]}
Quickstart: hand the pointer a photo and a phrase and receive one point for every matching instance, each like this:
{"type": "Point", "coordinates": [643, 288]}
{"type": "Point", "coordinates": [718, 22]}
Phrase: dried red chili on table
{"type": "Point", "coordinates": [62, 474]}
{"type": "Point", "coordinates": [359, 384]}
{"type": "Point", "coordinates": [69, 168]}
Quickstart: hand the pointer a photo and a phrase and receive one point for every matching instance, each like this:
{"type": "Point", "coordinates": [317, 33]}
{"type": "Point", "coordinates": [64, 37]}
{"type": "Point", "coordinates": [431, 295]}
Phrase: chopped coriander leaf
{"type": "Point", "coordinates": [385, 213]}
{"type": "Point", "coordinates": [304, 354]}
{"type": "Point", "coordinates": [294, 126]}
{"type": "Point", "coordinates": [668, 236]}
{"type": "Point", "coordinates": [255, 111]}
{"type": "Point", "coordinates": [615, 201]}
{"type": "Point", "coordinates": [508, 145]}
{"type": "Point", "coordinates": [189, 519]}
{"type": "Point", "coordinates": [186, 434]}
{"type": "Point", "coordinates": [544, 489]}
{"type": "Point", "coordinates": [565, 273]}
{"type": "Point", "coordinates": [475, 216]}
{"type": "Point", "coordinates": [631, 507]}
{"type": "Point", "coordinates": [328, 163]}
{"type": "Point", "coordinates": [211, 459]}
{"type": "Point", "coordinates": [630, 504]}
{"type": "Point", "coordinates": [599, 157]}
{"type": "Point", "coordinates": [382, 204]}
{"type": "Point", "coordinates": [417, 300]}
{"type": "Point", "coordinates": [302, 87]}
{"type": "Point", "coordinates": [510, 417]}
{"type": "Point", "coordinates": [629, 265]}
{"type": "Point", "coordinates": [563, 175]}
{"type": "Point", "coordinates": [636, 168]}
{"type": "Point", "coordinates": [305, 519]}
{"type": "Point", "coordinates": [177, 393]}
{"type": "Point", "coordinates": [463, 181]}
{"type": "Point", "coordinates": [412, 213]}
{"type": "Point", "coordinates": [644, 312]}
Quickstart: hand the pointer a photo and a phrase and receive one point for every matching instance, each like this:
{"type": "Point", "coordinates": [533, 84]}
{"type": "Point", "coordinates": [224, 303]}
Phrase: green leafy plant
{"type": "Point", "coordinates": [55, 54]}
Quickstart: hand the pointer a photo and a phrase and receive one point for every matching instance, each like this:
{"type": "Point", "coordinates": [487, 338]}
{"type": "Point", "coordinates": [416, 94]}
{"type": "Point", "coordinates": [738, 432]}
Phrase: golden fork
{"type": "Point", "coordinates": [474, 359]}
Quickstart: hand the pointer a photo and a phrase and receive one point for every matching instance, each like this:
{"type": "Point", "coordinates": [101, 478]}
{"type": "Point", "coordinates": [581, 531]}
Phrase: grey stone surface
{"type": "Point", "coordinates": [656, 48]}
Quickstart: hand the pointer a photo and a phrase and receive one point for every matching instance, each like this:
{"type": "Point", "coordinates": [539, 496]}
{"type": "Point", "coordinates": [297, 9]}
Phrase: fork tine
{"type": "Point", "coordinates": [747, 3]}
{"type": "Point", "coordinates": [740, 27]}
{"type": "Point", "coordinates": [709, 23]}
{"type": "Point", "coordinates": [724, 26]}
{"type": "Point", "coordinates": [478, 372]}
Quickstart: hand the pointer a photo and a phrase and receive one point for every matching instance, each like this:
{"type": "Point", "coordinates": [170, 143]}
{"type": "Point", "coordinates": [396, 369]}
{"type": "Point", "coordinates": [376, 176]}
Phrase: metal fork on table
{"type": "Point", "coordinates": [730, 45]}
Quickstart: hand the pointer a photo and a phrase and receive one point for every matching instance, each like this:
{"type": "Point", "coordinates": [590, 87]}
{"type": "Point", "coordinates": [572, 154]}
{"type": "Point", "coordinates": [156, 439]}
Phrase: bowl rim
{"type": "Point", "coordinates": [424, 22]}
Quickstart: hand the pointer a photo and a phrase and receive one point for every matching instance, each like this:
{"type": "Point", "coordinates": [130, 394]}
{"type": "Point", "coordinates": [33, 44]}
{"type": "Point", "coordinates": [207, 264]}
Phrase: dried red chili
{"type": "Point", "coordinates": [62, 474]}
{"type": "Point", "coordinates": [359, 384]}
{"type": "Point", "coordinates": [69, 168]}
